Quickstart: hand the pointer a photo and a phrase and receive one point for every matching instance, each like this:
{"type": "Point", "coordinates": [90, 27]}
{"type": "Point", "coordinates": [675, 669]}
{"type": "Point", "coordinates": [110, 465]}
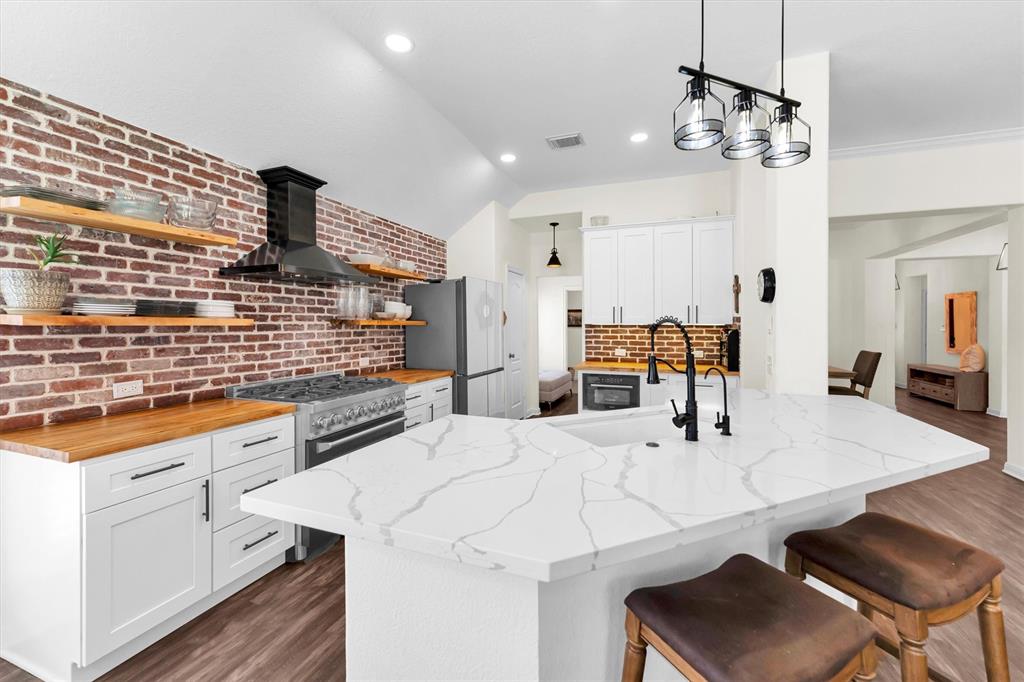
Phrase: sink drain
{"type": "Point", "coordinates": [652, 444]}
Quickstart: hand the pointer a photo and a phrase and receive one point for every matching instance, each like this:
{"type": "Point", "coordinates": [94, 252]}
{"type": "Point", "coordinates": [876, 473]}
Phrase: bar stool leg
{"type": "Point", "coordinates": [993, 634]}
{"type": "Point", "coordinates": [912, 627]}
{"type": "Point", "coordinates": [868, 664]}
{"type": "Point", "coordinates": [636, 651]}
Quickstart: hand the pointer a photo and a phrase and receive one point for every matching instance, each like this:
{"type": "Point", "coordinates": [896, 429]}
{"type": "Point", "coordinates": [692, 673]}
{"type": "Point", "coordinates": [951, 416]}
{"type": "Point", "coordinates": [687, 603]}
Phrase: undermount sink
{"type": "Point", "coordinates": [623, 430]}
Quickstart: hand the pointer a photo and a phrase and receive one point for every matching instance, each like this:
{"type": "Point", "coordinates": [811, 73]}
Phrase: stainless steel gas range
{"type": "Point", "coordinates": [334, 415]}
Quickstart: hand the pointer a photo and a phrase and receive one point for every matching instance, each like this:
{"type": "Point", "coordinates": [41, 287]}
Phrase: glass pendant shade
{"type": "Point", "coordinates": [747, 131]}
{"type": "Point", "coordinates": [790, 139]}
{"type": "Point", "coordinates": [699, 119]}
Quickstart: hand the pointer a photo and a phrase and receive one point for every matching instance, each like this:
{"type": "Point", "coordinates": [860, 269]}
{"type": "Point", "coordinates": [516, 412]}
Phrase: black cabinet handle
{"type": "Point", "coordinates": [441, 390]}
{"type": "Point", "coordinates": [252, 544]}
{"type": "Point", "coordinates": [206, 495]}
{"type": "Point", "coordinates": [157, 471]}
{"type": "Point", "coordinates": [413, 397]}
{"type": "Point", "coordinates": [258, 442]}
{"type": "Point", "coordinates": [414, 424]}
{"type": "Point", "coordinates": [257, 487]}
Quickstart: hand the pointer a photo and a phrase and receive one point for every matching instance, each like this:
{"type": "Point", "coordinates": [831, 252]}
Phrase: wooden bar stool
{"type": "Point", "coordinates": [747, 622]}
{"type": "Point", "coordinates": [905, 579]}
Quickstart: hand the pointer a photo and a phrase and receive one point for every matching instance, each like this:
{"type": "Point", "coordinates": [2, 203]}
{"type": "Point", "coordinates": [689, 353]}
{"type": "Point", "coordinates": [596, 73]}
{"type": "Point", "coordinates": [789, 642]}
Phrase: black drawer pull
{"type": "Point", "coordinates": [439, 390]}
{"type": "Point", "coordinates": [259, 442]}
{"type": "Point", "coordinates": [414, 424]}
{"type": "Point", "coordinates": [252, 544]}
{"type": "Point", "coordinates": [206, 494]}
{"type": "Point", "coordinates": [414, 397]}
{"type": "Point", "coordinates": [157, 471]}
{"type": "Point", "coordinates": [257, 487]}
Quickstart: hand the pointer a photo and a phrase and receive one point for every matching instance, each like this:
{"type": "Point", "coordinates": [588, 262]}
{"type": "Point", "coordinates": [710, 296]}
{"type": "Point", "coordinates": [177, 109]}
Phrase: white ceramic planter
{"type": "Point", "coordinates": [34, 291]}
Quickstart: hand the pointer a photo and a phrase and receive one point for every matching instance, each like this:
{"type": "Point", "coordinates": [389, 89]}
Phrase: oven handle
{"type": "Point", "coordinates": [622, 386]}
{"type": "Point", "coordinates": [321, 447]}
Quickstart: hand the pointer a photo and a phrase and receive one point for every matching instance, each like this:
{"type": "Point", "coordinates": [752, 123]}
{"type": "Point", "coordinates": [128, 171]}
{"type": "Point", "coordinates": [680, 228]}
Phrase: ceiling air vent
{"type": "Point", "coordinates": [565, 141]}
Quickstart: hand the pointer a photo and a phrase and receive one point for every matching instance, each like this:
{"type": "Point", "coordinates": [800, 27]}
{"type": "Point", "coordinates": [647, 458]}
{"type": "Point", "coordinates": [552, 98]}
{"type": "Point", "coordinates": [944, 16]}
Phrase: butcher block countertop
{"type": "Point", "coordinates": [642, 367]}
{"type": "Point", "coordinates": [413, 376]}
{"type": "Point", "coordinates": [76, 441]}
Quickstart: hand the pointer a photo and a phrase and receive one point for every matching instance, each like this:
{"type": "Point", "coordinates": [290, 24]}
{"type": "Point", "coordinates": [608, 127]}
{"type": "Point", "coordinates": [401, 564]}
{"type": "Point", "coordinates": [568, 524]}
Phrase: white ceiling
{"type": "Point", "coordinates": [416, 137]}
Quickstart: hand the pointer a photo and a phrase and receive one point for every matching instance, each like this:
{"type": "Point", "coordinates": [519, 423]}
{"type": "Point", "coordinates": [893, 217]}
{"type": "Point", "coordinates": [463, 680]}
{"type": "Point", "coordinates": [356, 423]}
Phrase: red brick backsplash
{"type": "Point", "coordinates": [602, 340]}
{"type": "Point", "coordinates": [57, 374]}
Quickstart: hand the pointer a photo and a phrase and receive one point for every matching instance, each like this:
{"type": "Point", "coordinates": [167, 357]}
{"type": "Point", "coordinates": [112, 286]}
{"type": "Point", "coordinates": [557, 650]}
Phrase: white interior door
{"type": "Point", "coordinates": [636, 276]}
{"type": "Point", "coordinates": [515, 342]}
{"type": "Point", "coordinates": [146, 559]}
{"type": "Point", "coordinates": [673, 272]}
{"type": "Point", "coordinates": [712, 272]}
{"type": "Point", "coordinates": [600, 277]}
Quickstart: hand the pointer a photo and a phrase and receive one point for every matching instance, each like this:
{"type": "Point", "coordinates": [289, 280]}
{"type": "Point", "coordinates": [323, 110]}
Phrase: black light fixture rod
{"type": "Point", "coordinates": [736, 85]}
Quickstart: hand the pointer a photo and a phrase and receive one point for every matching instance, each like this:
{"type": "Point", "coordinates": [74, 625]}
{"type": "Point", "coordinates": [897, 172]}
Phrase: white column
{"type": "Point", "coordinates": [782, 222]}
{"type": "Point", "coordinates": [880, 325]}
{"type": "Point", "coordinates": [1015, 347]}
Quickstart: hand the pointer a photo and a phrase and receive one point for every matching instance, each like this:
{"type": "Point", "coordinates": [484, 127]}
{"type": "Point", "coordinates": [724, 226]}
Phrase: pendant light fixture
{"type": "Point", "coordinates": [698, 122]}
{"type": "Point", "coordinates": [781, 139]}
{"type": "Point", "coordinates": [790, 134]}
{"type": "Point", "coordinates": [553, 262]}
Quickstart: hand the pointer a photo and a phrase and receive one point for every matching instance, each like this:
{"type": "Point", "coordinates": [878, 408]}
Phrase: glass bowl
{"type": "Point", "coordinates": [197, 213]}
{"type": "Point", "coordinates": [137, 203]}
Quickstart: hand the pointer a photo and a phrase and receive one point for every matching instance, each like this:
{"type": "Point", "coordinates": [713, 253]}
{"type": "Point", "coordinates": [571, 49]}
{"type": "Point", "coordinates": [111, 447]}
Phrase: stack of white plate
{"type": "Point", "coordinates": [103, 306]}
{"type": "Point", "coordinates": [215, 309]}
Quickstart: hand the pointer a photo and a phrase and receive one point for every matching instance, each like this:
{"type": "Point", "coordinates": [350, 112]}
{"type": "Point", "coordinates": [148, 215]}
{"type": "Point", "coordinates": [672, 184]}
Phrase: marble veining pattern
{"type": "Point", "coordinates": [532, 498]}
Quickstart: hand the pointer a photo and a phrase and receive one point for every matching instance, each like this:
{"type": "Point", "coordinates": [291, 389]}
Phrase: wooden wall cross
{"type": "Point", "coordinates": [736, 289]}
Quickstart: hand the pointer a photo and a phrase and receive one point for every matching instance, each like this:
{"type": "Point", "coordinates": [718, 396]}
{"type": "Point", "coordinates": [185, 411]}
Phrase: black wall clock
{"type": "Point", "coordinates": [766, 285]}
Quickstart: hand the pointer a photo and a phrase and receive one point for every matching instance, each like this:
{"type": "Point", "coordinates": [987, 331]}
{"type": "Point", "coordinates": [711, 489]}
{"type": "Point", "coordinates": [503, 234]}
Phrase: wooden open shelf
{"type": "Point", "coordinates": [43, 320]}
{"type": "Point", "coordinates": [393, 273]}
{"type": "Point", "coordinates": [60, 213]}
{"type": "Point", "coordinates": [381, 323]}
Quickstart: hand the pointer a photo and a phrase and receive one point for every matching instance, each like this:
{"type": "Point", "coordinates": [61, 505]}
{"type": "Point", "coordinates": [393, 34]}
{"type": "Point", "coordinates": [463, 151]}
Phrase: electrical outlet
{"type": "Point", "coordinates": [364, 362]}
{"type": "Point", "coordinates": [698, 355]}
{"type": "Point", "coordinates": [620, 352]}
{"type": "Point", "coordinates": [125, 389]}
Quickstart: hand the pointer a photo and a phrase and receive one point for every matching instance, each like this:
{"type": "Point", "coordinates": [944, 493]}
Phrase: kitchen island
{"type": "Point", "coordinates": [482, 548]}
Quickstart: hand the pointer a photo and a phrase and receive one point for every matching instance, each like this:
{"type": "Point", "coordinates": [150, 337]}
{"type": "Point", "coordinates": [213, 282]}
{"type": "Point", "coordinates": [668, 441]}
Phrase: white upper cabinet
{"type": "Point", "coordinates": [600, 277]}
{"type": "Point", "coordinates": [712, 272]}
{"type": "Point", "coordinates": [673, 274]}
{"type": "Point", "coordinates": [633, 275]}
{"type": "Point", "coordinates": [636, 276]}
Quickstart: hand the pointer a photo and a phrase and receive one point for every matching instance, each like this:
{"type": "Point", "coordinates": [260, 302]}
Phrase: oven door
{"type": "Point", "coordinates": [610, 392]}
{"type": "Point", "coordinates": [311, 542]}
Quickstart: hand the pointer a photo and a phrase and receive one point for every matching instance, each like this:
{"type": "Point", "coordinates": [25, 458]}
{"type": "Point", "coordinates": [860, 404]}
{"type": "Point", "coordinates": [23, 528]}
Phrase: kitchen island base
{"type": "Point", "coordinates": [414, 616]}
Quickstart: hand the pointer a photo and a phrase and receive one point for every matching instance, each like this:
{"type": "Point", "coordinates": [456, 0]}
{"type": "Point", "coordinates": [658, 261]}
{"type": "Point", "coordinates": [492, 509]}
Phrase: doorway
{"type": "Point", "coordinates": [515, 342]}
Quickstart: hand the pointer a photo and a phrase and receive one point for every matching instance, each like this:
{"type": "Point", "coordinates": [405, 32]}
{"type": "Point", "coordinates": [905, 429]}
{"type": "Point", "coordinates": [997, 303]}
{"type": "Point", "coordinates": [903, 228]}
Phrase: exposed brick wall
{"type": "Point", "coordinates": [602, 340]}
{"type": "Point", "coordinates": [56, 374]}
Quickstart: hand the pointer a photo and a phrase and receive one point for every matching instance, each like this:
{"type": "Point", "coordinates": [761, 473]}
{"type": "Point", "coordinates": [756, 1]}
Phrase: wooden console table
{"type": "Point", "coordinates": [966, 391]}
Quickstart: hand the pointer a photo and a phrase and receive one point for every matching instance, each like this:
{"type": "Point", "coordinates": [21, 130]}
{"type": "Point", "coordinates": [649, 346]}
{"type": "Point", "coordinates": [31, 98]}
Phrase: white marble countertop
{"type": "Point", "coordinates": [529, 498]}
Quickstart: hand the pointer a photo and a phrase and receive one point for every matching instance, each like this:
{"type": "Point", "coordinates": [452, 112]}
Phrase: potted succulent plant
{"type": "Point", "coordinates": [40, 290]}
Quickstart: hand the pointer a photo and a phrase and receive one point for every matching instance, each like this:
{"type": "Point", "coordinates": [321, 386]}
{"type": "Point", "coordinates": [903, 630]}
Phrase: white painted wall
{"type": "Point", "coordinates": [997, 328]}
{"type": "Point", "coordinates": [685, 196]}
{"type": "Point", "coordinates": [1015, 342]}
{"type": "Point", "coordinates": [574, 335]}
{"type": "Point", "coordinates": [948, 177]}
{"type": "Point", "coordinates": [552, 295]}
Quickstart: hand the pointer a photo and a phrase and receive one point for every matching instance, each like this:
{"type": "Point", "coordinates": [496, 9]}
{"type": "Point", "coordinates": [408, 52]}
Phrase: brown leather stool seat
{"type": "Point", "coordinates": [746, 621]}
{"type": "Point", "coordinates": [907, 564]}
{"type": "Point", "coordinates": [906, 579]}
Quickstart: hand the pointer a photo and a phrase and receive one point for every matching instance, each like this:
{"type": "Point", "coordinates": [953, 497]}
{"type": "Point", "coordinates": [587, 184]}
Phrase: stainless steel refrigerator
{"type": "Point", "coordinates": [463, 334]}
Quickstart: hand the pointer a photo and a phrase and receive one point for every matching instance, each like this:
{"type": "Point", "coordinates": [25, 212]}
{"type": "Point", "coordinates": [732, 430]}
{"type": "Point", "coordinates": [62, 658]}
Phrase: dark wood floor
{"type": "Point", "coordinates": [290, 625]}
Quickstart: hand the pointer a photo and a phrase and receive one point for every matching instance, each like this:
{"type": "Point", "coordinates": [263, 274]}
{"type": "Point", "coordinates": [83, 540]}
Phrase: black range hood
{"type": "Point", "coordinates": [290, 252]}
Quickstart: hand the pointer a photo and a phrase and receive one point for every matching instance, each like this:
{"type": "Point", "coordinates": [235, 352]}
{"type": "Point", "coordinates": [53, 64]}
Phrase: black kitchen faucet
{"type": "Point", "coordinates": [688, 419]}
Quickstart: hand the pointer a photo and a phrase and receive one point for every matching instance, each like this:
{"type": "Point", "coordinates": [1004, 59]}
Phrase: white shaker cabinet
{"type": "Point", "coordinates": [635, 274]}
{"type": "Point", "coordinates": [712, 272]}
{"type": "Point", "coordinates": [428, 400]}
{"type": "Point", "coordinates": [147, 559]}
{"type": "Point", "coordinates": [600, 277]}
{"type": "Point", "coordinates": [673, 277]}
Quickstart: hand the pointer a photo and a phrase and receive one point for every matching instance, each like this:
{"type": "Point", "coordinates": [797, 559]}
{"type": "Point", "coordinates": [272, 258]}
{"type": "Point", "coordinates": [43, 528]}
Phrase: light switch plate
{"type": "Point", "coordinates": [620, 352]}
{"type": "Point", "coordinates": [364, 362]}
{"type": "Point", "coordinates": [126, 389]}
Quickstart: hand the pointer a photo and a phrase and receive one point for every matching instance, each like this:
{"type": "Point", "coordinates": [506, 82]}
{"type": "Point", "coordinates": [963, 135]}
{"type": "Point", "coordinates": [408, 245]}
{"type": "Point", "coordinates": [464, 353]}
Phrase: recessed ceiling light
{"type": "Point", "coordinates": [508, 158]}
{"type": "Point", "coordinates": [638, 137]}
{"type": "Point", "coordinates": [396, 42]}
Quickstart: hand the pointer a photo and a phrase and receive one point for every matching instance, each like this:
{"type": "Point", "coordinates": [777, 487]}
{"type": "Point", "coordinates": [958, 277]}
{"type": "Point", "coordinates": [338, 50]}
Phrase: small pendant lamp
{"type": "Point", "coordinates": [553, 262]}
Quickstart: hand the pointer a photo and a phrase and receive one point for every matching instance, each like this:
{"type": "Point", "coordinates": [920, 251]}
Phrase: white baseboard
{"type": "Point", "coordinates": [1013, 470]}
{"type": "Point", "coordinates": [995, 413]}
